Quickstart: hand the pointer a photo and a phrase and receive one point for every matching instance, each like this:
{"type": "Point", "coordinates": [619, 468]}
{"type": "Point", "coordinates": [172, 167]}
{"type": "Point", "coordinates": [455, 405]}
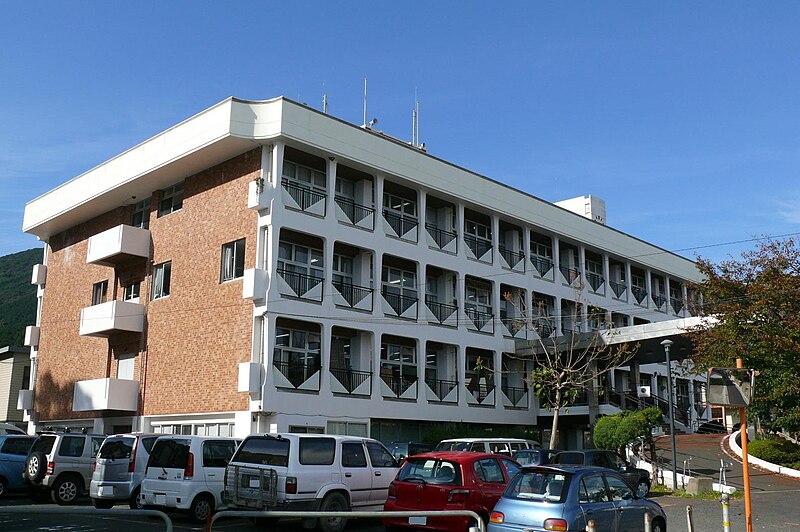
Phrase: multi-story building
{"type": "Point", "coordinates": [264, 266]}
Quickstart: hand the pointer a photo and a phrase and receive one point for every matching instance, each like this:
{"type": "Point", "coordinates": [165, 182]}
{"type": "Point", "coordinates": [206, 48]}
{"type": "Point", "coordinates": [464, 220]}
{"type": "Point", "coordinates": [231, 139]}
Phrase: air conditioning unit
{"type": "Point", "coordinates": [643, 391]}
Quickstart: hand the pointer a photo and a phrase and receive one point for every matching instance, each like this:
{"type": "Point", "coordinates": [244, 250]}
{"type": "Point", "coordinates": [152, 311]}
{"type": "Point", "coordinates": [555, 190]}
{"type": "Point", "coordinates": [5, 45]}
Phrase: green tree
{"type": "Point", "coordinates": [754, 304]}
{"type": "Point", "coordinates": [618, 430]}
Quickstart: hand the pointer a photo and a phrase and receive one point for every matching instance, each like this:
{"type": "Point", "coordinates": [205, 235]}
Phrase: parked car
{"type": "Point", "coordinates": [13, 451]}
{"type": "Point", "coordinates": [534, 456]}
{"type": "Point", "coordinates": [119, 470]}
{"type": "Point", "coordinates": [638, 479]}
{"type": "Point", "coordinates": [60, 463]}
{"type": "Point", "coordinates": [567, 497]}
{"type": "Point", "coordinates": [448, 480]}
{"type": "Point", "coordinates": [401, 449]}
{"type": "Point", "coordinates": [187, 473]}
{"type": "Point", "coordinates": [310, 472]}
{"type": "Point", "coordinates": [506, 446]}
{"type": "Point", "coordinates": [8, 428]}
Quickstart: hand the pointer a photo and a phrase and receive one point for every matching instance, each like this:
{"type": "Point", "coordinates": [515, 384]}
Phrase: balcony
{"type": "Point", "coordinates": [478, 248]}
{"type": "Point", "coordinates": [112, 317]}
{"type": "Point", "coordinates": [351, 382]}
{"type": "Point", "coordinates": [399, 305]}
{"type": "Point", "coordinates": [479, 321]}
{"type": "Point", "coordinates": [352, 296]}
{"type": "Point", "coordinates": [515, 327]}
{"type": "Point", "coordinates": [481, 392]}
{"type": "Point", "coordinates": [515, 397]}
{"type": "Point", "coordinates": [39, 276]}
{"type": "Point", "coordinates": [118, 244]}
{"type": "Point", "coordinates": [254, 285]}
{"type": "Point", "coordinates": [659, 300]}
{"type": "Point", "coordinates": [303, 198]}
{"type": "Point", "coordinates": [351, 213]}
{"type": "Point", "coordinates": [258, 197]}
{"type": "Point", "coordinates": [619, 289]}
{"type": "Point", "coordinates": [441, 391]}
{"type": "Point", "coordinates": [106, 394]}
{"type": "Point", "coordinates": [572, 276]}
{"type": "Point", "coordinates": [677, 305]}
{"type": "Point", "coordinates": [544, 326]}
{"type": "Point", "coordinates": [595, 281]}
{"type": "Point", "coordinates": [639, 294]}
{"type": "Point", "coordinates": [296, 375]}
{"type": "Point", "coordinates": [32, 335]}
{"type": "Point", "coordinates": [542, 266]}
{"type": "Point", "coordinates": [249, 377]}
{"type": "Point", "coordinates": [512, 260]}
{"type": "Point", "coordinates": [441, 239]}
{"type": "Point", "coordinates": [400, 226]}
{"type": "Point", "coordinates": [299, 285]}
{"type": "Point", "coordinates": [441, 313]}
{"type": "Point", "coordinates": [396, 386]}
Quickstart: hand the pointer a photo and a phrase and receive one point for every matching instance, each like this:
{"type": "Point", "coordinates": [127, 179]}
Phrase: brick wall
{"type": "Point", "coordinates": [194, 339]}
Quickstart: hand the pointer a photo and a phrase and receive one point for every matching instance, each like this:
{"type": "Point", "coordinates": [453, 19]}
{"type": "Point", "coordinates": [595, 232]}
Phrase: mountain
{"type": "Point", "coordinates": [17, 295]}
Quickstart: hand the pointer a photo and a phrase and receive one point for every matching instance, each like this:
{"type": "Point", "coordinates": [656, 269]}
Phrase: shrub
{"type": "Point", "coordinates": [605, 432]}
{"type": "Point", "coordinates": [779, 452]}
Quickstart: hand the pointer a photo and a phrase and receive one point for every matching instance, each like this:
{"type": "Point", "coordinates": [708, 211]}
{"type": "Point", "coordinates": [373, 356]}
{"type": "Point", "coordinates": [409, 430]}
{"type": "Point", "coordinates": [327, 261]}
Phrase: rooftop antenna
{"type": "Point", "coordinates": [364, 123]}
{"type": "Point", "coordinates": [324, 100]}
{"type": "Point", "coordinates": [415, 121]}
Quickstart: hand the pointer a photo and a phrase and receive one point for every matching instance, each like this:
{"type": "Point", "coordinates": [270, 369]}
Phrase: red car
{"type": "Point", "coordinates": [447, 480]}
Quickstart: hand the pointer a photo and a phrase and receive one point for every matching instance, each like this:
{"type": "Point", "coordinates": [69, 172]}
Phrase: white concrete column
{"type": "Point", "coordinates": [422, 206]}
{"type": "Point", "coordinates": [330, 181]}
{"type": "Point", "coordinates": [581, 266]}
{"type": "Point", "coordinates": [325, 361]}
{"type": "Point", "coordinates": [459, 228]}
{"type": "Point", "coordinates": [277, 164]}
{"type": "Point", "coordinates": [628, 281]}
{"type": "Point", "coordinates": [376, 367]}
{"type": "Point", "coordinates": [649, 286]}
{"type": "Point", "coordinates": [669, 308]}
{"type": "Point", "coordinates": [495, 222]}
{"type": "Point", "coordinates": [526, 249]}
{"type": "Point", "coordinates": [557, 321]}
{"type": "Point", "coordinates": [607, 277]}
{"type": "Point", "coordinates": [556, 259]}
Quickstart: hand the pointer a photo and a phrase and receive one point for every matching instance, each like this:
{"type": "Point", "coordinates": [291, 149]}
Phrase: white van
{"type": "Point", "coordinates": [187, 473]}
{"type": "Point", "coordinates": [506, 446]}
{"type": "Point", "coordinates": [302, 472]}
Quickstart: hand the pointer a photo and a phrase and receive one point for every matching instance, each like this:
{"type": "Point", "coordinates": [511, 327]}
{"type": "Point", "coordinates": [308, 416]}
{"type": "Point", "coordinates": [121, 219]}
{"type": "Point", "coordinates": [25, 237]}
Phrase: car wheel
{"type": "Point", "coordinates": [202, 507]}
{"type": "Point", "coordinates": [333, 502]}
{"type": "Point", "coordinates": [102, 504]}
{"type": "Point", "coordinates": [658, 525]}
{"type": "Point", "coordinates": [135, 503]}
{"type": "Point", "coordinates": [3, 486]}
{"type": "Point", "coordinates": [35, 466]}
{"type": "Point", "coordinates": [642, 489]}
{"type": "Point", "coordinates": [65, 490]}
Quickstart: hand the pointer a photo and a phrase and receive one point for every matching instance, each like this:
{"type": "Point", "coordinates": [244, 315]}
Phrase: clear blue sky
{"type": "Point", "coordinates": [683, 116]}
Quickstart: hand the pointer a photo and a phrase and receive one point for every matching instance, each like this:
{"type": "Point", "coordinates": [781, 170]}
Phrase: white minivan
{"type": "Point", "coordinates": [506, 446]}
{"type": "Point", "coordinates": [187, 473]}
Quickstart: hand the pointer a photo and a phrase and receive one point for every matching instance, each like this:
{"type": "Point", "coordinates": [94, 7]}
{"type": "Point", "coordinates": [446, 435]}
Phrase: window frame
{"type": "Point", "coordinates": [232, 262]}
{"type": "Point", "coordinates": [171, 199]}
{"type": "Point", "coordinates": [162, 289]}
{"type": "Point", "coordinates": [99, 292]}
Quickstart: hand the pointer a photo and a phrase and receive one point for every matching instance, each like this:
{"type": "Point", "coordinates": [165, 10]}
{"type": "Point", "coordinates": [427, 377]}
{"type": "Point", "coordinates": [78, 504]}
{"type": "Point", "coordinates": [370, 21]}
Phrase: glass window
{"type": "Point", "coordinates": [431, 471]}
{"type": "Point", "coordinates": [71, 446]}
{"type": "Point", "coordinates": [232, 261]}
{"type": "Point", "coordinates": [317, 451]}
{"type": "Point", "coordinates": [353, 455]}
{"type": "Point", "coordinates": [99, 291]}
{"type": "Point", "coordinates": [18, 446]}
{"type": "Point", "coordinates": [379, 455]}
{"type": "Point", "coordinates": [161, 280]}
{"type": "Point", "coordinates": [488, 470]}
{"type": "Point", "coordinates": [171, 200]}
{"type": "Point", "coordinates": [264, 450]}
{"type": "Point", "coordinates": [511, 468]}
{"type": "Point", "coordinates": [218, 453]}
{"type": "Point", "coordinates": [131, 291]}
{"type": "Point", "coordinates": [593, 489]}
{"type": "Point", "coordinates": [125, 366]}
{"type": "Point", "coordinates": [172, 453]}
{"type": "Point", "coordinates": [618, 488]}
{"type": "Point", "coordinates": [141, 214]}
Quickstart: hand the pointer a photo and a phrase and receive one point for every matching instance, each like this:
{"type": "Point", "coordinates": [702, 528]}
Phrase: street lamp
{"type": "Point", "coordinates": [667, 344]}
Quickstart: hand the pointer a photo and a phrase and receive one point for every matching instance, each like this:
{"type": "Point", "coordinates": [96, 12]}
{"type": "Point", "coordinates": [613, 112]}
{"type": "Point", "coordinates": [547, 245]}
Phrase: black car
{"type": "Point", "coordinates": [534, 456]}
{"type": "Point", "coordinates": [638, 479]}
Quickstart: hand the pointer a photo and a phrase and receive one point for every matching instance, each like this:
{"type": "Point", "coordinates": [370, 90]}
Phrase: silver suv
{"type": "Point", "coordinates": [120, 468]}
{"type": "Point", "coordinates": [61, 463]}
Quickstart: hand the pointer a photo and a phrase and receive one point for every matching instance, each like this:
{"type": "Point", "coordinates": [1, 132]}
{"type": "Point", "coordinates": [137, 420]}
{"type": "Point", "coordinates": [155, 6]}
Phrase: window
{"type": "Point", "coordinates": [342, 270]}
{"type": "Point", "coordinates": [141, 214]}
{"type": "Point", "coordinates": [300, 259]}
{"type": "Point", "coordinates": [488, 470]}
{"type": "Point", "coordinates": [303, 429]}
{"type": "Point", "coordinates": [232, 261]}
{"type": "Point", "coordinates": [479, 298]}
{"type": "Point", "coordinates": [317, 451]}
{"type": "Point", "coordinates": [347, 428]}
{"type": "Point", "coordinates": [399, 288]}
{"type": "Point", "coordinates": [304, 176]}
{"type": "Point", "coordinates": [218, 453]}
{"type": "Point", "coordinates": [620, 491]}
{"type": "Point", "coordinates": [131, 291]}
{"type": "Point", "coordinates": [18, 446]}
{"type": "Point", "coordinates": [379, 455]}
{"type": "Point", "coordinates": [593, 489]}
{"type": "Point", "coordinates": [296, 354]}
{"type": "Point", "coordinates": [399, 205]}
{"type": "Point", "coordinates": [161, 280]}
{"type": "Point", "coordinates": [26, 378]}
{"type": "Point", "coordinates": [99, 291]}
{"type": "Point", "coordinates": [125, 366]}
{"type": "Point", "coordinates": [353, 455]}
{"type": "Point", "coordinates": [171, 200]}
{"type": "Point", "coordinates": [71, 446]}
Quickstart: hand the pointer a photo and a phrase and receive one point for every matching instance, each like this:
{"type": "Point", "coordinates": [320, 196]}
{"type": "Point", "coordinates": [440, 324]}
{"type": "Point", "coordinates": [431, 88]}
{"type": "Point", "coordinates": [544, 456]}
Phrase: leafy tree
{"type": "Point", "coordinates": [18, 295]}
{"type": "Point", "coordinates": [618, 430]}
{"type": "Point", "coordinates": [755, 303]}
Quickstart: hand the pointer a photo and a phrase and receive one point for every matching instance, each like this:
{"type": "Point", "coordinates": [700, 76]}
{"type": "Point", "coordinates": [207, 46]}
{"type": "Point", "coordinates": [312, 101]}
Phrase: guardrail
{"type": "Point", "coordinates": [27, 510]}
{"type": "Point", "coordinates": [481, 527]}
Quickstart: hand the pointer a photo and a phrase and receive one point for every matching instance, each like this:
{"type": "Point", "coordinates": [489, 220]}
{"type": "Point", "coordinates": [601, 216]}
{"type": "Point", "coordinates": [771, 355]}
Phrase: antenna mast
{"type": "Point", "coordinates": [324, 100]}
{"type": "Point", "coordinates": [415, 121]}
{"type": "Point", "coordinates": [365, 103]}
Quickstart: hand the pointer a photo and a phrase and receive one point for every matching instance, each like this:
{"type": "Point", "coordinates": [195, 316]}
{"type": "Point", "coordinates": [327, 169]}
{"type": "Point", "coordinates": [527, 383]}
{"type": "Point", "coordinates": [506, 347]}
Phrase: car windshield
{"type": "Point", "coordinates": [44, 444]}
{"type": "Point", "coordinates": [115, 448]}
{"type": "Point", "coordinates": [569, 458]}
{"type": "Point", "coordinates": [550, 486]}
{"type": "Point", "coordinates": [430, 471]}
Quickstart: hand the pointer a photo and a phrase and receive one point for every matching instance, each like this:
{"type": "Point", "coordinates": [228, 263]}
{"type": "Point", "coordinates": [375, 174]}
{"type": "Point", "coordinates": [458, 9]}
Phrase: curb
{"type": "Point", "coordinates": [775, 468]}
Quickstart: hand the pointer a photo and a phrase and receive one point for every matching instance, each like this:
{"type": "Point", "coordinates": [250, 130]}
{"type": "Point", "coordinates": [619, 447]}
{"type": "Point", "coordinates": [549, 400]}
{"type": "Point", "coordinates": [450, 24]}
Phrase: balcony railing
{"type": "Point", "coordinates": [570, 274]}
{"type": "Point", "coordinates": [399, 303]}
{"type": "Point", "coordinates": [300, 283]}
{"type": "Point", "coordinates": [512, 258]}
{"type": "Point", "coordinates": [440, 311]}
{"type": "Point", "coordinates": [618, 288]}
{"type": "Point", "coordinates": [302, 195]}
{"type": "Point", "coordinates": [659, 300]}
{"type": "Point", "coordinates": [355, 212]}
{"type": "Point", "coordinates": [442, 237]}
{"type": "Point", "coordinates": [398, 384]}
{"type": "Point", "coordinates": [677, 304]}
{"type": "Point", "coordinates": [478, 318]}
{"type": "Point", "coordinates": [639, 293]}
{"type": "Point", "coordinates": [479, 246]}
{"type": "Point", "coordinates": [353, 294]}
{"type": "Point", "coordinates": [298, 374]}
{"type": "Point", "coordinates": [544, 327]}
{"type": "Point", "coordinates": [352, 379]}
{"type": "Point", "coordinates": [568, 328]}
{"type": "Point", "coordinates": [481, 390]}
{"type": "Point", "coordinates": [515, 395]}
{"type": "Point", "coordinates": [442, 388]}
{"type": "Point", "coordinates": [513, 325]}
{"type": "Point", "coordinates": [543, 265]}
{"type": "Point", "coordinates": [595, 280]}
{"type": "Point", "coordinates": [400, 223]}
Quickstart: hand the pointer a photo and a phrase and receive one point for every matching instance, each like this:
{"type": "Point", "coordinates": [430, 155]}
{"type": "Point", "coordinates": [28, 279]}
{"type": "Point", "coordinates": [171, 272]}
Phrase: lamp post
{"type": "Point", "coordinates": [667, 344]}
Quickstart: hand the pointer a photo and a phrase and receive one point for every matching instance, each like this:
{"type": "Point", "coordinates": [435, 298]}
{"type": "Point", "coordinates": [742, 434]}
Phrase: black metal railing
{"type": "Point", "coordinates": [399, 303]}
{"type": "Point", "coordinates": [353, 294]}
{"type": "Point", "coordinates": [544, 327]}
{"type": "Point", "coordinates": [304, 196]}
{"type": "Point", "coordinates": [639, 293]}
{"type": "Point", "coordinates": [513, 325]}
{"type": "Point", "coordinates": [543, 265]}
{"type": "Point", "coordinates": [618, 288]}
{"type": "Point", "coordinates": [481, 390]}
{"type": "Point", "coordinates": [478, 318]}
{"type": "Point", "coordinates": [300, 283]}
{"type": "Point", "coordinates": [442, 237]}
{"type": "Point", "coordinates": [567, 328]}
{"type": "Point", "coordinates": [440, 311]}
{"type": "Point", "coordinates": [479, 246]}
{"type": "Point", "coordinates": [355, 212]}
{"type": "Point", "coordinates": [400, 223]}
{"type": "Point", "coordinates": [677, 304]}
{"type": "Point", "coordinates": [659, 300]}
{"type": "Point", "coordinates": [351, 379]}
{"type": "Point", "coordinates": [297, 373]}
{"type": "Point", "coordinates": [399, 383]}
{"type": "Point", "coordinates": [441, 388]}
{"type": "Point", "coordinates": [515, 394]}
{"type": "Point", "coordinates": [570, 274]}
{"type": "Point", "coordinates": [595, 280]}
{"type": "Point", "coordinates": [512, 258]}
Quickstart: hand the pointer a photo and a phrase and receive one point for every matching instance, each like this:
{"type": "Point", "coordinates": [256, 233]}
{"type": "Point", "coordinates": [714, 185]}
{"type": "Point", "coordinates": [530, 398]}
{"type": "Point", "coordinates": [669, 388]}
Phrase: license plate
{"type": "Point", "coordinates": [161, 499]}
{"type": "Point", "coordinates": [254, 483]}
{"type": "Point", "coordinates": [419, 521]}
{"type": "Point", "coordinates": [106, 491]}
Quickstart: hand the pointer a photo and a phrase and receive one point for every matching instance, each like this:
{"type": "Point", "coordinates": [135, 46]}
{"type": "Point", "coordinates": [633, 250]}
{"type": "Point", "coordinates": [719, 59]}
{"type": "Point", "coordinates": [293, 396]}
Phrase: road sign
{"type": "Point", "coordinates": [730, 387]}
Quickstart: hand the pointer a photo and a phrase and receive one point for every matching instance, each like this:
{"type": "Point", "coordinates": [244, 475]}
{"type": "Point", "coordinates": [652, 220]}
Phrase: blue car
{"type": "Point", "coordinates": [13, 451]}
{"type": "Point", "coordinates": [541, 498]}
